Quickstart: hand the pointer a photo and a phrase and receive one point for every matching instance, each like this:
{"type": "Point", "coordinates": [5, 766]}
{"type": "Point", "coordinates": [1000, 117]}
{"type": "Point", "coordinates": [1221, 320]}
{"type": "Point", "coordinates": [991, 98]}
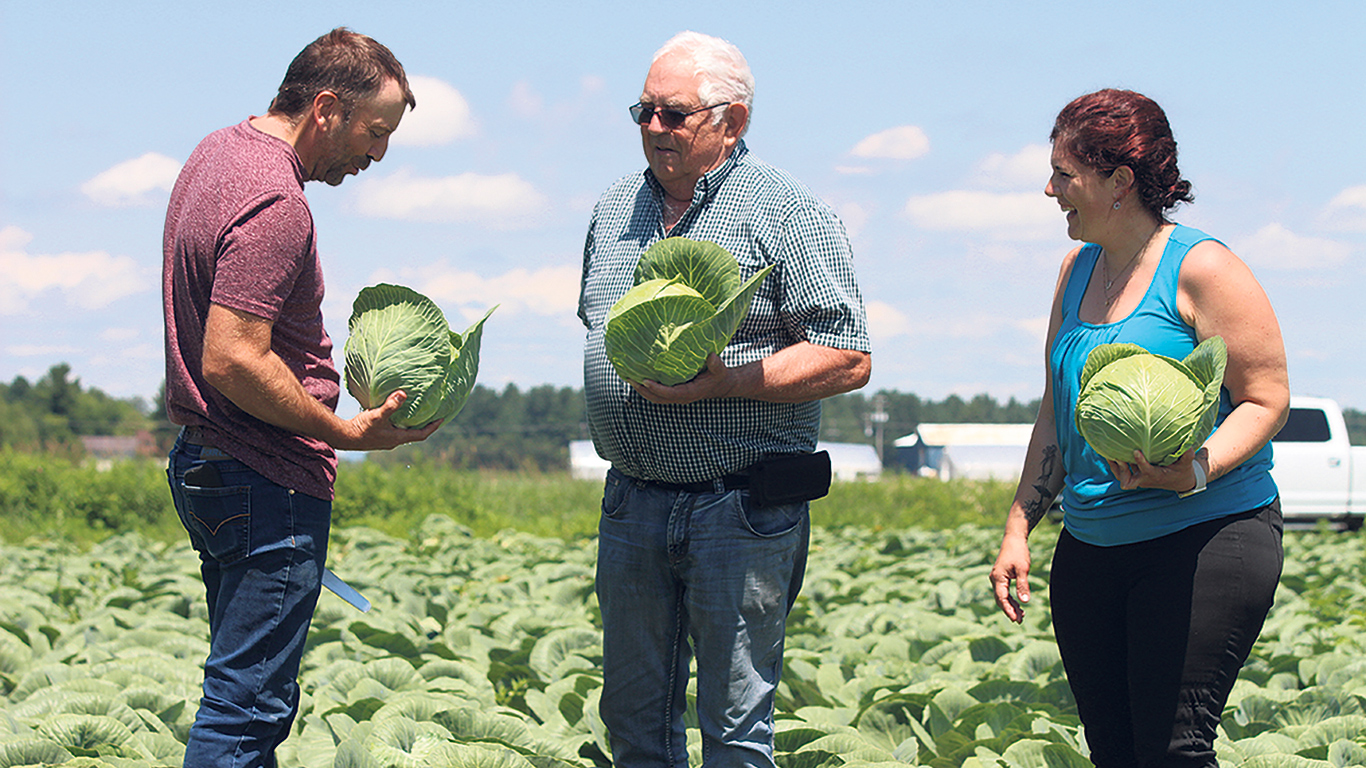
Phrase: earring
{"type": "Point", "coordinates": [1116, 205]}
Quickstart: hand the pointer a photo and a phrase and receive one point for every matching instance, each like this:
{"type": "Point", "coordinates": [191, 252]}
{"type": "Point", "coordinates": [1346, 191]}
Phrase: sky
{"type": "Point", "coordinates": [924, 125]}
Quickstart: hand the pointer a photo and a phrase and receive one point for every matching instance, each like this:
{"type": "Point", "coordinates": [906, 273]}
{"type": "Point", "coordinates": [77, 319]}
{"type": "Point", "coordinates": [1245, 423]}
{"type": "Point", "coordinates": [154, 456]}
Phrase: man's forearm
{"type": "Point", "coordinates": [803, 372]}
{"type": "Point", "coordinates": [239, 362]}
{"type": "Point", "coordinates": [265, 388]}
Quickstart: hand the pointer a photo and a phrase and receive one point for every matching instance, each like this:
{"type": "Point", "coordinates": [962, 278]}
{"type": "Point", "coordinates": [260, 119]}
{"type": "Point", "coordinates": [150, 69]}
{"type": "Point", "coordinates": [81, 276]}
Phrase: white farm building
{"type": "Point", "coordinates": [965, 451]}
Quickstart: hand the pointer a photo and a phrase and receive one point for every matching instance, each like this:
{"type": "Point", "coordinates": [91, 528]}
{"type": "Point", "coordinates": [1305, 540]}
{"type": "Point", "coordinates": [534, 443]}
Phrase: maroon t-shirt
{"type": "Point", "coordinates": [239, 234]}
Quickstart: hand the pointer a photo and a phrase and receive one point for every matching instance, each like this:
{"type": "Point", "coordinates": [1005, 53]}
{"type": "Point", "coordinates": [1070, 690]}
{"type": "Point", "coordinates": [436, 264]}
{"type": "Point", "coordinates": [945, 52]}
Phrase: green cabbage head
{"type": "Point", "coordinates": [1132, 399]}
{"type": "Point", "coordinates": [400, 340]}
{"type": "Point", "coordinates": [687, 303]}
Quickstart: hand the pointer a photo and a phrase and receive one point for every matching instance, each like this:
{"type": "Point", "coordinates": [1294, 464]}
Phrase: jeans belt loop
{"type": "Point", "coordinates": [194, 435]}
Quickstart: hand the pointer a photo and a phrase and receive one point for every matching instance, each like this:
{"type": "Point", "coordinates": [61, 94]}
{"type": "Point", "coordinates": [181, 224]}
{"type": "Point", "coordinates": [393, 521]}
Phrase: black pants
{"type": "Point", "coordinates": [1153, 634]}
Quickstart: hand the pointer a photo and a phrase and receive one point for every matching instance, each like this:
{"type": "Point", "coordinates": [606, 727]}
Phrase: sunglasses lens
{"type": "Point", "coordinates": [669, 118]}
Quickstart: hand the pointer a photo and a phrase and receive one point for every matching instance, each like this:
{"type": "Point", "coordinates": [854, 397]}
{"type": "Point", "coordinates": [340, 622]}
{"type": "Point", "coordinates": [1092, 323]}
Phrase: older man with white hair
{"type": "Point", "coordinates": [703, 538]}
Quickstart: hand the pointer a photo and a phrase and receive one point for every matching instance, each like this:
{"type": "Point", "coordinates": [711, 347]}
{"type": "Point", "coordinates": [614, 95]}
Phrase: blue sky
{"type": "Point", "coordinates": [924, 124]}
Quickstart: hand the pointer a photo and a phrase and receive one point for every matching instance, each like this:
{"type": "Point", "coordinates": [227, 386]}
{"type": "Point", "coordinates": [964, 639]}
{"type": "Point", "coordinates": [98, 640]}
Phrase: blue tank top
{"type": "Point", "coordinates": [1095, 509]}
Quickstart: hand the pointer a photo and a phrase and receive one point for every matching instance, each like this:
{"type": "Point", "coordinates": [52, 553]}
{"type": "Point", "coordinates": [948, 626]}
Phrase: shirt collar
{"type": "Point", "coordinates": [711, 181]}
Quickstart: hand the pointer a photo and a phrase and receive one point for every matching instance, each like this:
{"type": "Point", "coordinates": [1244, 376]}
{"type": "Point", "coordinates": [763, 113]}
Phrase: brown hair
{"type": "Point", "coordinates": [351, 65]}
{"type": "Point", "coordinates": [1110, 128]}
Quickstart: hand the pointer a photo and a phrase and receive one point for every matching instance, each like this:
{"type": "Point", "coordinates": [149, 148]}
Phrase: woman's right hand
{"type": "Point", "coordinates": [1012, 564]}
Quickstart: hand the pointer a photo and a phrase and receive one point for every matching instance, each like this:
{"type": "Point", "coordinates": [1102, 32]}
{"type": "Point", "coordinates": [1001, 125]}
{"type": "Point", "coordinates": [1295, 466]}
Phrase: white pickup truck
{"type": "Point", "coordinates": [1321, 476]}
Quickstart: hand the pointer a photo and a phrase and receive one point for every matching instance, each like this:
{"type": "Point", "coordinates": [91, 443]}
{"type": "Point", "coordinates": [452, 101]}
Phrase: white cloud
{"type": "Point", "coordinates": [40, 350]}
{"type": "Point", "coordinates": [123, 354]}
{"type": "Point", "coordinates": [116, 334]}
{"type": "Point", "coordinates": [90, 280]}
{"type": "Point", "coordinates": [1019, 216]}
{"type": "Point", "coordinates": [1346, 212]}
{"type": "Point", "coordinates": [525, 101]}
{"type": "Point", "coordinates": [1027, 169]}
{"type": "Point", "coordinates": [1275, 247]}
{"type": "Point", "coordinates": [906, 142]}
{"type": "Point", "coordinates": [886, 321]}
{"type": "Point", "coordinates": [548, 291]}
{"type": "Point", "coordinates": [854, 216]}
{"type": "Point", "coordinates": [136, 182]}
{"type": "Point", "coordinates": [591, 84]}
{"type": "Point", "coordinates": [1034, 326]}
{"type": "Point", "coordinates": [442, 115]}
{"type": "Point", "coordinates": [503, 201]}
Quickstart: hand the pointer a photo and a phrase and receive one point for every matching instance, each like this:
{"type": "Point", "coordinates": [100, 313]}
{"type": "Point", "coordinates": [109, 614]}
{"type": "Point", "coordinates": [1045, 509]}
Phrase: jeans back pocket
{"type": "Point", "coordinates": [218, 521]}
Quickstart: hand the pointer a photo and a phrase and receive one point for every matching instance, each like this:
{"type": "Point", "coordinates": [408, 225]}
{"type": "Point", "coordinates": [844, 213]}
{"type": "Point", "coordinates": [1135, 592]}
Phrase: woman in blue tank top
{"type": "Point", "coordinates": [1162, 575]}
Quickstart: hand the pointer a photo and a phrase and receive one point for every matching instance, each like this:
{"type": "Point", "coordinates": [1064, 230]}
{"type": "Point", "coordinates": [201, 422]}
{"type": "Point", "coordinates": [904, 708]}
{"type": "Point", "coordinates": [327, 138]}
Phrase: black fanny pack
{"type": "Point", "coordinates": [789, 479]}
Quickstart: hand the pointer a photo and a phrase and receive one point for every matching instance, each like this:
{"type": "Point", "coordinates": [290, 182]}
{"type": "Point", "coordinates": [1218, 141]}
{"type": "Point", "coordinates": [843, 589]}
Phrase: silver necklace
{"type": "Point", "coordinates": [1105, 266]}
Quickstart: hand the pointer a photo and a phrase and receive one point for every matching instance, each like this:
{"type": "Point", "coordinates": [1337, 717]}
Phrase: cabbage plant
{"type": "Point", "coordinates": [1133, 399]}
{"type": "Point", "coordinates": [400, 340]}
{"type": "Point", "coordinates": [687, 302]}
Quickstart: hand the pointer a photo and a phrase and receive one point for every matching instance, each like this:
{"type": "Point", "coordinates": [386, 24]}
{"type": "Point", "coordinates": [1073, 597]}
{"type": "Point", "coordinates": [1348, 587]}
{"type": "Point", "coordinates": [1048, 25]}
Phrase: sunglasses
{"type": "Point", "coordinates": [669, 118]}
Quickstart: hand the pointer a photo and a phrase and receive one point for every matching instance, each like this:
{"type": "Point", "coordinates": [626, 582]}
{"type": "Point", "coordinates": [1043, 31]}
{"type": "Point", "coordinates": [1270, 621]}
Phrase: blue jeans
{"type": "Point", "coordinates": [679, 573]}
{"type": "Point", "coordinates": [261, 549]}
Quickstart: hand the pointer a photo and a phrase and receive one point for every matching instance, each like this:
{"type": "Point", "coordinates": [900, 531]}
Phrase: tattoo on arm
{"type": "Point", "coordinates": [1035, 509]}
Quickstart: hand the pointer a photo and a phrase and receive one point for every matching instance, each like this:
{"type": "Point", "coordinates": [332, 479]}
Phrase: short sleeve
{"type": "Point", "coordinates": [261, 255]}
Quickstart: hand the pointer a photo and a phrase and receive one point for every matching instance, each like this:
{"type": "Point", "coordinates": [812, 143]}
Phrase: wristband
{"type": "Point", "coordinates": [1199, 481]}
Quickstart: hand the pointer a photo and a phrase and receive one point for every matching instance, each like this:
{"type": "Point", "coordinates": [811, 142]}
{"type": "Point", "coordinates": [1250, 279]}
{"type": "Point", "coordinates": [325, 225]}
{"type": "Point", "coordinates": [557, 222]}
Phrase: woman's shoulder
{"type": "Point", "coordinates": [1070, 261]}
{"type": "Point", "coordinates": [1205, 256]}
{"type": "Point", "coordinates": [1210, 270]}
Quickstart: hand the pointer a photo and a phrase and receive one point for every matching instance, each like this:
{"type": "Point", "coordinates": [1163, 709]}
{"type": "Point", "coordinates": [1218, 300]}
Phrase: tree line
{"type": "Point", "coordinates": [54, 412]}
{"type": "Point", "coordinates": [510, 429]}
{"type": "Point", "coordinates": [531, 429]}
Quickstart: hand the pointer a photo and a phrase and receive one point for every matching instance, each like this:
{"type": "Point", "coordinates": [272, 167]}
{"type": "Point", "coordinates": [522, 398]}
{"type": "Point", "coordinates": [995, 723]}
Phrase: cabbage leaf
{"type": "Point", "coordinates": [1132, 399]}
{"type": "Point", "coordinates": [399, 339]}
{"type": "Point", "coordinates": [687, 302]}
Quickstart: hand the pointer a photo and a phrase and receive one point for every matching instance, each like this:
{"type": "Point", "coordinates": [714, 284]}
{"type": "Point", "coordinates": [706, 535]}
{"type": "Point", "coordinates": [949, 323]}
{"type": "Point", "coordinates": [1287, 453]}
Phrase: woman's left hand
{"type": "Point", "coordinates": [1177, 476]}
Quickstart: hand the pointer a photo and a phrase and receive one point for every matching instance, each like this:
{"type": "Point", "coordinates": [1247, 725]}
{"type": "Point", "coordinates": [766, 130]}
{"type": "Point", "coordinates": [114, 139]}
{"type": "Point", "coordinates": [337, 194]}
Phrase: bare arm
{"type": "Point", "coordinates": [1218, 295]}
{"type": "Point", "coordinates": [795, 374]}
{"type": "Point", "coordinates": [238, 362]}
{"type": "Point", "coordinates": [1040, 482]}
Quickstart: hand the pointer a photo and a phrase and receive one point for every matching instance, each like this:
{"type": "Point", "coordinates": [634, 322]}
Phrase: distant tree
{"type": "Point", "coordinates": [18, 427]}
{"type": "Point", "coordinates": [19, 390]}
{"type": "Point", "coordinates": [512, 429]}
{"type": "Point", "coordinates": [163, 429]}
{"type": "Point", "coordinates": [54, 412]}
{"type": "Point", "coordinates": [59, 390]}
{"type": "Point", "coordinates": [1356, 425]}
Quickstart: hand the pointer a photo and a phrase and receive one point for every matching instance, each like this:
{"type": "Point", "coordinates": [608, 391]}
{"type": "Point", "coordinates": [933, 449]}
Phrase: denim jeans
{"type": "Point", "coordinates": [261, 549]}
{"type": "Point", "coordinates": [679, 573]}
{"type": "Point", "coordinates": [1153, 634]}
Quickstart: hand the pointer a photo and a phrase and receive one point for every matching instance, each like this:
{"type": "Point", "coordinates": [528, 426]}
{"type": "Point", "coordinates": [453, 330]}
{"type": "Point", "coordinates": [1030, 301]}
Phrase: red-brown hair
{"type": "Point", "coordinates": [1110, 128]}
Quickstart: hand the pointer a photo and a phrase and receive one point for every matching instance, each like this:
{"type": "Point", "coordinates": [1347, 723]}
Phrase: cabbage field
{"type": "Point", "coordinates": [484, 652]}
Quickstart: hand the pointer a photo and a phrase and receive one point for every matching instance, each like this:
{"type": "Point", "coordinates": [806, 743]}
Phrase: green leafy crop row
{"type": "Point", "coordinates": [484, 651]}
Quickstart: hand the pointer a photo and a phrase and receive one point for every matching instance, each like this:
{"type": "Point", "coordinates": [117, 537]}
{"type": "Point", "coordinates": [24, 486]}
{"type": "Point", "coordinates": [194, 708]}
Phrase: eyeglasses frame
{"type": "Point", "coordinates": [676, 119]}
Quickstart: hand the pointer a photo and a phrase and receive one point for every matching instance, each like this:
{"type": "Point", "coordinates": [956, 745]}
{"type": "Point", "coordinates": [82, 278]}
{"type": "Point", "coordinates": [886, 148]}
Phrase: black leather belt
{"type": "Point", "coordinates": [196, 436]}
{"type": "Point", "coordinates": [728, 482]}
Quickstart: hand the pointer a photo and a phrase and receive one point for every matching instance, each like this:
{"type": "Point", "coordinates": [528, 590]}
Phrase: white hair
{"type": "Point", "coordinates": [724, 74]}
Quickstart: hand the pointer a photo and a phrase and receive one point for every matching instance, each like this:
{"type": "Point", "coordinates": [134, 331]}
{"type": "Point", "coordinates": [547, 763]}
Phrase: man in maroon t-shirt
{"type": "Point", "coordinates": [249, 375]}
